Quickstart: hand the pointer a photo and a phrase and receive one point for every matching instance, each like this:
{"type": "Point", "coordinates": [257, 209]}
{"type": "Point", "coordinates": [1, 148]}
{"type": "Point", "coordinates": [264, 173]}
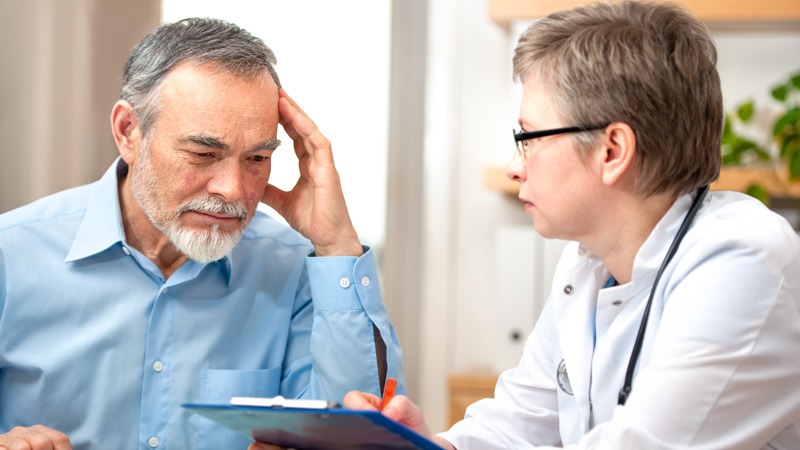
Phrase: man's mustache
{"type": "Point", "coordinates": [214, 205]}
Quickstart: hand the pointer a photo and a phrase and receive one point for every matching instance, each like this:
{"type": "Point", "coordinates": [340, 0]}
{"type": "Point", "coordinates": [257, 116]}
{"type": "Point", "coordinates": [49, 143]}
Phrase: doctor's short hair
{"type": "Point", "coordinates": [650, 65]}
{"type": "Point", "coordinates": [198, 40]}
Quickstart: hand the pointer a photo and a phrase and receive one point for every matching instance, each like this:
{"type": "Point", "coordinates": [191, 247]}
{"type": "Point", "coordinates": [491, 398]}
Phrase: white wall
{"type": "Point", "coordinates": [333, 59]}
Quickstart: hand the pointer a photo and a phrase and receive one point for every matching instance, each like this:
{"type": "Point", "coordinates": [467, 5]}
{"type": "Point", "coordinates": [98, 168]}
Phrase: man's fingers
{"type": "Point", "coordinates": [37, 437]}
{"type": "Point", "coordinates": [282, 94]}
{"type": "Point", "coordinates": [301, 128]}
{"type": "Point", "coordinates": [274, 197]}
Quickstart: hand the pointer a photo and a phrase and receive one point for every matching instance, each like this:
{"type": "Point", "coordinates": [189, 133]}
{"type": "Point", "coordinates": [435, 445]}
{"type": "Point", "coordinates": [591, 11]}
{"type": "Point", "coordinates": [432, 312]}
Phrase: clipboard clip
{"type": "Point", "coordinates": [281, 402]}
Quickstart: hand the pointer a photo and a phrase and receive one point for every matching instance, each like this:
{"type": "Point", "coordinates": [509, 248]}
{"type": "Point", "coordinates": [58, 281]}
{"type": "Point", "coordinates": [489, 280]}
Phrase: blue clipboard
{"type": "Point", "coordinates": [332, 428]}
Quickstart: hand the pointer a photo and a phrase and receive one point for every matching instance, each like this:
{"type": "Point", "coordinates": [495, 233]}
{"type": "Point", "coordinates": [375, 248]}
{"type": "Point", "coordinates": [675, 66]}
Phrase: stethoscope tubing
{"type": "Point", "coordinates": [673, 248]}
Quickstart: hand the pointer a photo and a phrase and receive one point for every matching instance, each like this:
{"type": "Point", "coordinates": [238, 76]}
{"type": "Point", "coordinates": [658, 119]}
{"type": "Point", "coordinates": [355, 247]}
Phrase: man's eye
{"type": "Point", "coordinates": [260, 158]}
{"type": "Point", "coordinates": [204, 154]}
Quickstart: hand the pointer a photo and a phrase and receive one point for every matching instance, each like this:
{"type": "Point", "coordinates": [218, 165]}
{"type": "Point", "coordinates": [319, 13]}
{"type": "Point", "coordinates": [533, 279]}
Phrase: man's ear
{"type": "Point", "coordinates": [617, 152]}
{"type": "Point", "coordinates": [126, 131]}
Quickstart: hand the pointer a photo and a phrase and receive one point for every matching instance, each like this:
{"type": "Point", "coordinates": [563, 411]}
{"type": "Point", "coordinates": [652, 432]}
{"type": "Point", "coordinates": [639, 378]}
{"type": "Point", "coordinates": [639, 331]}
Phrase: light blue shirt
{"type": "Point", "coordinates": [95, 343]}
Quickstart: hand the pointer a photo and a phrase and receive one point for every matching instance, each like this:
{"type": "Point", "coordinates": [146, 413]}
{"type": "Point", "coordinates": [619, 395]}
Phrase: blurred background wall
{"type": "Point", "coordinates": [61, 66]}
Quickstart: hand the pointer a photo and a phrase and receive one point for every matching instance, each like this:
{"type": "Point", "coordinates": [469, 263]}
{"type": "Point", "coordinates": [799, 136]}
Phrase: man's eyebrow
{"type": "Point", "coordinates": [205, 141]}
{"type": "Point", "coordinates": [212, 142]}
{"type": "Point", "coordinates": [271, 144]}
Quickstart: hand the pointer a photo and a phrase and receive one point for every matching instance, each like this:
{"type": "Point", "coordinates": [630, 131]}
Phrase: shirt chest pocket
{"type": "Point", "coordinates": [219, 385]}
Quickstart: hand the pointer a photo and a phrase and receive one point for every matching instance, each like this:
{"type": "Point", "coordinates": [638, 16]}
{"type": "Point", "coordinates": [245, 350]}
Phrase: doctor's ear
{"type": "Point", "coordinates": [616, 152]}
{"type": "Point", "coordinates": [125, 129]}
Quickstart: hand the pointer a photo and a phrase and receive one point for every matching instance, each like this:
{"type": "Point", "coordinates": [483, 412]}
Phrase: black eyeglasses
{"type": "Point", "coordinates": [522, 137]}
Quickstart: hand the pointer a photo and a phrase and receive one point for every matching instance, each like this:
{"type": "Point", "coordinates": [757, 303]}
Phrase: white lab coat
{"type": "Point", "coordinates": [720, 364]}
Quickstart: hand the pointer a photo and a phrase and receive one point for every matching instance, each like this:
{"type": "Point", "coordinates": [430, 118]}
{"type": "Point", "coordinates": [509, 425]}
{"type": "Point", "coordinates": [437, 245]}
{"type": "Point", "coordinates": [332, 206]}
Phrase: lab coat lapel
{"type": "Point", "coordinates": [574, 298]}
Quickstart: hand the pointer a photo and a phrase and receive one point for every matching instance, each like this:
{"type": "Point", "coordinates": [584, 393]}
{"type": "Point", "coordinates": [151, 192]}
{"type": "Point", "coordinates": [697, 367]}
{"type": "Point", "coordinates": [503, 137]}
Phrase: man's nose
{"type": "Point", "coordinates": [226, 182]}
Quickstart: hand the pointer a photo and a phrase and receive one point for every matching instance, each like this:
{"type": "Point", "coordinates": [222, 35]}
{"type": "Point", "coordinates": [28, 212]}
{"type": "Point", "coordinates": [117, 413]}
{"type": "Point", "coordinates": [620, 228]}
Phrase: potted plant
{"type": "Point", "coordinates": [775, 155]}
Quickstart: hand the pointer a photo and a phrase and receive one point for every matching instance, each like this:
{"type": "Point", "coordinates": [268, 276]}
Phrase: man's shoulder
{"type": "Point", "coordinates": [67, 203]}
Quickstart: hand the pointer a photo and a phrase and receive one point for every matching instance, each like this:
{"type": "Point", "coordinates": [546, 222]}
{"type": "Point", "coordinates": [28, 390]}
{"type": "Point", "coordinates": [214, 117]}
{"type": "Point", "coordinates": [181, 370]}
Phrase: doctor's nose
{"type": "Point", "coordinates": [515, 169]}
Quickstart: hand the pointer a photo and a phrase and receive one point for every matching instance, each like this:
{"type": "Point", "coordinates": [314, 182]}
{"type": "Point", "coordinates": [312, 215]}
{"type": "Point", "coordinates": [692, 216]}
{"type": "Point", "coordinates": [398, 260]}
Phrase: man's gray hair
{"type": "Point", "coordinates": [200, 40]}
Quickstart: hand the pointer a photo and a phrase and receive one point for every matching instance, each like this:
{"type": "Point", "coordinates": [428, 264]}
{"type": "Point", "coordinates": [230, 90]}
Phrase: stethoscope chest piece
{"type": "Point", "coordinates": [563, 378]}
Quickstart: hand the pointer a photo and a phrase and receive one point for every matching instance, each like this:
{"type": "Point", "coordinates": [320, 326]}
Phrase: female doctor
{"type": "Point", "coordinates": [673, 316]}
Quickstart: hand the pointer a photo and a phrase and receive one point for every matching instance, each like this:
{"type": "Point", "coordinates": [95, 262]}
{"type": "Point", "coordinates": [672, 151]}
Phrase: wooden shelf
{"type": "Point", "coordinates": [730, 179]}
{"type": "Point", "coordinates": [503, 12]}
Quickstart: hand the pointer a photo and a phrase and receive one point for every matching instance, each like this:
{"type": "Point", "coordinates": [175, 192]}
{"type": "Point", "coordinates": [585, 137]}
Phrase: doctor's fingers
{"type": "Point", "coordinates": [401, 409]}
{"type": "Point", "coordinates": [37, 437]}
{"type": "Point", "coordinates": [263, 446]}
{"type": "Point", "coordinates": [362, 401]}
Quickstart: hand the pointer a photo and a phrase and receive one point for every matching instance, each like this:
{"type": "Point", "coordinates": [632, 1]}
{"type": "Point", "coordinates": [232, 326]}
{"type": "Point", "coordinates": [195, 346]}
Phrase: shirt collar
{"type": "Point", "coordinates": [101, 227]}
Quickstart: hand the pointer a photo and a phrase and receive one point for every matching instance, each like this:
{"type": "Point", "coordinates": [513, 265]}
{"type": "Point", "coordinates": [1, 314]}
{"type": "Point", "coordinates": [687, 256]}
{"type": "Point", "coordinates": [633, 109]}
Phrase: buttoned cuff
{"type": "Point", "coordinates": [342, 283]}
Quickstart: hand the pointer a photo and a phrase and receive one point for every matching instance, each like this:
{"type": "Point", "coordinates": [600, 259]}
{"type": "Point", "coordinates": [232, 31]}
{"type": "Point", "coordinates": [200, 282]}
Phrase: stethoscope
{"type": "Point", "coordinates": [637, 346]}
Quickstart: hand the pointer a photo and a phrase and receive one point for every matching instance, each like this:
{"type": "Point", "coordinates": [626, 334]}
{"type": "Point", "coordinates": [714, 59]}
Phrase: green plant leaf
{"type": "Point", "coordinates": [758, 191]}
{"type": "Point", "coordinates": [794, 166]}
{"type": "Point", "coordinates": [789, 146]}
{"type": "Point", "coordinates": [727, 128]}
{"type": "Point", "coordinates": [735, 147]}
{"type": "Point", "coordinates": [745, 111]}
{"type": "Point", "coordinates": [788, 123]}
{"type": "Point", "coordinates": [795, 80]}
{"type": "Point", "coordinates": [780, 93]}
{"type": "Point", "coordinates": [731, 159]}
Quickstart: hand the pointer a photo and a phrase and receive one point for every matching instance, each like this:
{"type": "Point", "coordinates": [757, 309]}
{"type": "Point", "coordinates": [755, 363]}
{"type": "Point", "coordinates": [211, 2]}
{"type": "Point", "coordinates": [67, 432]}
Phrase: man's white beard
{"type": "Point", "coordinates": [205, 245]}
{"type": "Point", "coordinates": [210, 244]}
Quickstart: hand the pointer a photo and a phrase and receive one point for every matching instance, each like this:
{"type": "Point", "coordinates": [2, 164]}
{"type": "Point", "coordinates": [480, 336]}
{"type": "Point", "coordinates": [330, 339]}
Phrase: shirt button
{"type": "Point", "coordinates": [568, 289]}
{"type": "Point", "coordinates": [344, 282]}
{"type": "Point", "coordinates": [365, 281]}
{"type": "Point", "coordinates": [126, 251]}
{"type": "Point", "coordinates": [616, 302]}
{"type": "Point", "coordinates": [152, 442]}
{"type": "Point", "coordinates": [164, 290]}
{"type": "Point", "coordinates": [158, 366]}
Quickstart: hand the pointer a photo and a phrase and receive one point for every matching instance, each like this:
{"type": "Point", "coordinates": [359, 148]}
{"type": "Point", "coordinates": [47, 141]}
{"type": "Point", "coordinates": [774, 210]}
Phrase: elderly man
{"type": "Point", "coordinates": [161, 283]}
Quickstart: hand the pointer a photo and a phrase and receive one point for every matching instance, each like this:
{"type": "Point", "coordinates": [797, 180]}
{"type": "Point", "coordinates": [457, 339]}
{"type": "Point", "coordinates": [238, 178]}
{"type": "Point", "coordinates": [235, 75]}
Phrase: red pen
{"type": "Point", "coordinates": [388, 391]}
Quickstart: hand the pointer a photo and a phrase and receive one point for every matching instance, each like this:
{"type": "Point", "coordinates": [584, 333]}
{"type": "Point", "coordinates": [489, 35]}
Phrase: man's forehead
{"type": "Point", "coordinates": [209, 81]}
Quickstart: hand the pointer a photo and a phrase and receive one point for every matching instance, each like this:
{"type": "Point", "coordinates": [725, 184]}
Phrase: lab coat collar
{"type": "Point", "coordinates": [652, 252]}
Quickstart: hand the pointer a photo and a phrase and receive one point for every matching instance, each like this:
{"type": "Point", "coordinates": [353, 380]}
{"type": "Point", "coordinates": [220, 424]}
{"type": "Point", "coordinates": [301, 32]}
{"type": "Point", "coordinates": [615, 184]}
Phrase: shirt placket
{"type": "Point", "coordinates": [157, 372]}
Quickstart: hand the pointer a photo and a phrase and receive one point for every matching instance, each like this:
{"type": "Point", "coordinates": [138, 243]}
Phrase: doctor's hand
{"type": "Point", "coordinates": [400, 409]}
{"type": "Point", "coordinates": [37, 437]}
{"type": "Point", "coordinates": [263, 446]}
{"type": "Point", "coordinates": [315, 207]}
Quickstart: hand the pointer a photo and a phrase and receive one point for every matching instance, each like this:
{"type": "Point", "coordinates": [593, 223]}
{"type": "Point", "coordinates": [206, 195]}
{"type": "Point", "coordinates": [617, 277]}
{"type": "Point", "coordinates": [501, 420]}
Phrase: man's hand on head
{"type": "Point", "coordinates": [315, 206]}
